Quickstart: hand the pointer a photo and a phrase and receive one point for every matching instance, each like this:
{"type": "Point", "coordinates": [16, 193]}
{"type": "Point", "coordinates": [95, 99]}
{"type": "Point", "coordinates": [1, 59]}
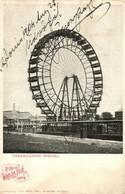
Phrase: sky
{"type": "Point", "coordinates": [104, 35]}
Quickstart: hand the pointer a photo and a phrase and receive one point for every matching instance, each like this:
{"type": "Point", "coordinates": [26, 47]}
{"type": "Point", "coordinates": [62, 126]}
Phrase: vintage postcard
{"type": "Point", "coordinates": [62, 96]}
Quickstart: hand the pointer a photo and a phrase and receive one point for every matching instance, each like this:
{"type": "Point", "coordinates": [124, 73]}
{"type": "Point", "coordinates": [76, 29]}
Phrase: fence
{"type": "Point", "coordinates": [102, 129]}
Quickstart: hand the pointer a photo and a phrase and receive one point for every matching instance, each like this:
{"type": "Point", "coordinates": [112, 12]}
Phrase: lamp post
{"type": "Point", "coordinates": [36, 123]}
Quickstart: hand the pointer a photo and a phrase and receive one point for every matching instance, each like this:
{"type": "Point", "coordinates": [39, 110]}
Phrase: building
{"type": "Point", "coordinates": [17, 120]}
{"type": "Point", "coordinates": [21, 121]}
{"type": "Point", "coordinates": [119, 114]}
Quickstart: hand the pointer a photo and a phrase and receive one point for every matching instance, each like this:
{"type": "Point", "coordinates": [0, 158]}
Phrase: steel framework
{"type": "Point", "coordinates": [65, 76]}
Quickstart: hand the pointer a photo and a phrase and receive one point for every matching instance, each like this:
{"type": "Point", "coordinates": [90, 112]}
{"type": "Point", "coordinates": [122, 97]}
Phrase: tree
{"type": "Point", "coordinates": [106, 116]}
{"type": "Point", "coordinates": [97, 117]}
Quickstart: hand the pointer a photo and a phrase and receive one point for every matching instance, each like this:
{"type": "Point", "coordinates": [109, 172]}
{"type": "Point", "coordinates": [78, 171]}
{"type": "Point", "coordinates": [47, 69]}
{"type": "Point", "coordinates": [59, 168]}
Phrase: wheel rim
{"type": "Point", "coordinates": [44, 70]}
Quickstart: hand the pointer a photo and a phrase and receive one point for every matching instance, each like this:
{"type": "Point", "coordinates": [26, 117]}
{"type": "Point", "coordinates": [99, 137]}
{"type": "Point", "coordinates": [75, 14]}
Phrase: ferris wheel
{"type": "Point", "coordinates": [65, 76]}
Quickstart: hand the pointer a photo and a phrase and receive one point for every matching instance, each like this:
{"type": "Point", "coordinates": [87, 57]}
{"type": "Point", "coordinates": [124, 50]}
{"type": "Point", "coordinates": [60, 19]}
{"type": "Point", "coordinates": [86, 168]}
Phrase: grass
{"type": "Point", "coordinates": [16, 143]}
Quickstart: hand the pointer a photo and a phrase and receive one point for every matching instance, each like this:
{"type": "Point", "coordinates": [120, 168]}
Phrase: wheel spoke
{"type": "Point", "coordinates": [65, 75]}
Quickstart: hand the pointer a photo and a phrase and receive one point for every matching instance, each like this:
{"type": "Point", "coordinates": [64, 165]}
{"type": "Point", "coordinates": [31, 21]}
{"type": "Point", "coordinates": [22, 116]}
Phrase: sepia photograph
{"type": "Point", "coordinates": [62, 79]}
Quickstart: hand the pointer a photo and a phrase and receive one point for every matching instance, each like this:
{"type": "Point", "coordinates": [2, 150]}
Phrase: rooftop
{"type": "Point", "coordinates": [17, 114]}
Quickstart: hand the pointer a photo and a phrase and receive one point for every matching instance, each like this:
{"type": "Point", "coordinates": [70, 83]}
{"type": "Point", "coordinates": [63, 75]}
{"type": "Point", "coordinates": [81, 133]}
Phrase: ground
{"type": "Point", "coordinates": [41, 143]}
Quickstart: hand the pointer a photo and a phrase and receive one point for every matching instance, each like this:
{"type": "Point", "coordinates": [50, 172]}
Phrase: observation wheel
{"type": "Point", "coordinates": [65, 76]}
